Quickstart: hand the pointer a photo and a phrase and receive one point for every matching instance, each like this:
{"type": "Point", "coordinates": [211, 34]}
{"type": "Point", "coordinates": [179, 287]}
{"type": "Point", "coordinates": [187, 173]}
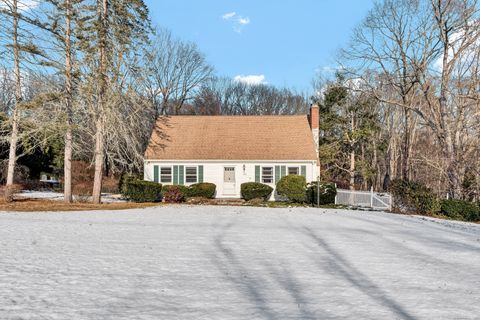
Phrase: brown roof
{"type": "Point", "coordinates": [231, 138]}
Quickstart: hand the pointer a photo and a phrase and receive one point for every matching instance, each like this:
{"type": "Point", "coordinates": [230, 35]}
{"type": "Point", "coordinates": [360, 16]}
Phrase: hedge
{"type": "Point", "coordinates": [460, 210]}
{"type": "Point", "coordinates": [204, 190]}
{"type": "Point", "coordinates": [414, 196]}
{"type": "Point", "coordinates": [141, 191]}
{"type": "Point", "coordinates": [328, 191]}
{"type": "Point", "coordinates": [255, 190]}
{"type": "Point", "coordinates": [294, 187]}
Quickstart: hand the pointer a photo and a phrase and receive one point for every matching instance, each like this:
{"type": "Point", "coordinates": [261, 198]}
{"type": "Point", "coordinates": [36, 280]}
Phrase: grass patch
{"type": "Point", "coordinates": [39, 205]}
{"type": "Point", "coordinates": [285, 204]}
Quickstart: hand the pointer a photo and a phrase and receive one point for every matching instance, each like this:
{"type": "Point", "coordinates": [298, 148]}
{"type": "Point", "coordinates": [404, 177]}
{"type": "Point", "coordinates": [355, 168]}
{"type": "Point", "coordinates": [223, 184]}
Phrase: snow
{"type": "Point", "coordinates": [51, 195]}
{"type": "Point", "coordinates": [202, 262]}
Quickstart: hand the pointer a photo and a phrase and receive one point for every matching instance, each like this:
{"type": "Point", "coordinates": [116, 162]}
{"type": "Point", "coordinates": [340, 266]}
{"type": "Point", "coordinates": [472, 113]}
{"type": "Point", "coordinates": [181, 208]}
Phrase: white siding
{"type": "Point", "coordinates": [244, 171]}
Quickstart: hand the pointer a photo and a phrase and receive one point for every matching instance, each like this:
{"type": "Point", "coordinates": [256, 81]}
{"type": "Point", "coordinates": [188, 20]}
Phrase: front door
{"type": "Point", "coordinates": [229, 181]}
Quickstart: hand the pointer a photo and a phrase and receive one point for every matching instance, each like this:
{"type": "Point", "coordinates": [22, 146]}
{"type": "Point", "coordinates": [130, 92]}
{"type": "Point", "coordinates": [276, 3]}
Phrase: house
{"type": "Point", "coordinates": [231, 150]}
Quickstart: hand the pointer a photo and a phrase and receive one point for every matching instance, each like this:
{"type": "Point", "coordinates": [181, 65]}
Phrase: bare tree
{"type": "Point", "coordinates": [176, 70]}
{"type": "Point", "coordinates": [419, 56]}
{"type": "Point", "coordinates": [12, 156]}
{"type": "Point", "coordinates": [230, 97]}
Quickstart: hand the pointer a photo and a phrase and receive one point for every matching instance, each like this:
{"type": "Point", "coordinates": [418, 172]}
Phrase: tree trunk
{"type": "Point", "coordinates": [12, 155]}
{"type": "Point", "coordinates": [67, 191]}
{"type": "Point", "coordinates": [406, 146]}
{"type": "Point", "coordinates": [352, 170]}
{"type": "Point", "coordinates": [99, 157]}
{"type": "Point", "coordinates": [352, 155]}
{"type": "Point", "coordinates": [102, 11]}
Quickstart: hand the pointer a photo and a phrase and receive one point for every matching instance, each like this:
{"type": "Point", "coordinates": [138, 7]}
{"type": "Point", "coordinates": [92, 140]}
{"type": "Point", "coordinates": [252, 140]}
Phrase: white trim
{"type": "Point", "coordinates": [272, 174]}
{"type": "Point", "coordinates": [233, 161]}
{"type": "Point", "coordinates": [296, 167]}
{"type": "Point", "coordinates": [160, 174]}
{"type": "Point", "coordinates": [196, 175]}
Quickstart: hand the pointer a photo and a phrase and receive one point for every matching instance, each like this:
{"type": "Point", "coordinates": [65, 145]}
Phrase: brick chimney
{"type": "Point", "coordinates": [314, 123]}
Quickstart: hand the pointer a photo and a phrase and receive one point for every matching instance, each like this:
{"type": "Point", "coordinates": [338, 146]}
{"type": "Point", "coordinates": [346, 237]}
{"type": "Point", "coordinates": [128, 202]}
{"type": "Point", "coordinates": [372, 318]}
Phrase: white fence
{"type": "Point", "coordinates": [374, 200]}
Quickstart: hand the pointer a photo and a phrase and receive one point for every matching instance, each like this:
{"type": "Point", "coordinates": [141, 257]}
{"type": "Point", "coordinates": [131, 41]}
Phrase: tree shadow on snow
{"type": "Point", "coordinates": [342, 267]}
{"type": "Point", "coordinates": [254, 287]}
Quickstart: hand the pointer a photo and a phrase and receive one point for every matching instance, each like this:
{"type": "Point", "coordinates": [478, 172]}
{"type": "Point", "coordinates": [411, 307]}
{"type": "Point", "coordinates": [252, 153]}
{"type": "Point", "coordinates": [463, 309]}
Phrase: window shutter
{"type": "Point", "coordinates": [257, 173]}
{"type": "Point", "coordinates": [277, 174]}
{"type": "Point", "coordinates": [200, 174]}
{"type": "Point", "coordinates": [304, 171]}
{"type": "Point", "coordinates": [155, 174]}
{"type": "Point", "coordinates": [284, 171]}
{"type": "Point", "coordinates": [175, 174]}
{"type": "Point", "coordinates": [181, 171]}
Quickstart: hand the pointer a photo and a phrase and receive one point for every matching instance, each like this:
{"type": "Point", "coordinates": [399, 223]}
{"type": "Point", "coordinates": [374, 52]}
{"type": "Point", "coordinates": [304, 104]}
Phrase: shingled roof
{"type": "Point", "coordinates": [231, 138]}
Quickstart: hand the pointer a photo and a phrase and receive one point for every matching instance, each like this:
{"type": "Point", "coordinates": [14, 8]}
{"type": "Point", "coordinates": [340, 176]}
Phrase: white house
{"type": "Point", "coordinates": [231, 150]}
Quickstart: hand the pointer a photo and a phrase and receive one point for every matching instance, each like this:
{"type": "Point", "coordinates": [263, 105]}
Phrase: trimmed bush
{"type": "Point", "coordinates": [414, 196]}
{"type": "Point", "coordinates": [174, 193]}
{"type": "Point", "coordinates": [141, 191]}
{"type": "Point", "coordinates": [294, 187]}
{"type": "Point", "coordinates": [328, 191]}
{"type": "Point", "coordinates": [204, 190]}
{"type": "Point", "coordinates": [460, 210]}
{"type": "Point", "coordinates": [255, 190]}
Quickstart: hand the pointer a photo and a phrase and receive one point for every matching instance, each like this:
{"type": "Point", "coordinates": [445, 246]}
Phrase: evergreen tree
{"type": "Point", "coordinates": [110, 31]}
{"type": "Point", "coordinates": [348, 122]}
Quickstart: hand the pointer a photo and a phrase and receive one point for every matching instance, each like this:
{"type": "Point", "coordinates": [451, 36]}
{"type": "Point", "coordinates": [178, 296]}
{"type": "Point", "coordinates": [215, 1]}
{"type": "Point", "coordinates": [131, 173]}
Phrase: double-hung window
{"type": "Point", "coordinates": [267, 174]}
{"type": "Point", "coordinates": [191, 175]}
{"type": "Point", "coordinates": [166, 174]}
{"type": "Point", "coordinates": [293, 170]}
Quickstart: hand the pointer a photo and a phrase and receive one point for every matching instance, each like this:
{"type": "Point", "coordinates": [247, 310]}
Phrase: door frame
{"type": "Point", "coordinates": [232, 191]}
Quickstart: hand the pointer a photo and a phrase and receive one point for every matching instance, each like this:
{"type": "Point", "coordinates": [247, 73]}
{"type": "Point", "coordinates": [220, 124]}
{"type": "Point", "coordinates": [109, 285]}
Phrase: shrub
{"type": "Point", "coordinates": [174, 194]}
{"type": "Point", "coordinates": [414, 196]}
{"type": "Point", "coordinates": [255, 190]}
{"type": "Point", "coordinates": [460, 210]}
{"type": "Point", "coordinates": [110, 184]}
{"type": "Point", "coordinates": [294, 187]}
{"type": "Point", "coordinates": [7, 192]}
{"type": "Point", "coordinates": [328, 191]}
{"type": "Point", "coordinates": [204, 190]}
{"type": "Point", "coordinates": [82, 191]}
{"type": "Point", "coordinates": [141, 191]}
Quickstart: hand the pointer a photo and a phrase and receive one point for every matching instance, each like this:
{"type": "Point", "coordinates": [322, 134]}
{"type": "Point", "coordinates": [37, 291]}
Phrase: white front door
{"type": "Point", "coordinates": [229, 181]}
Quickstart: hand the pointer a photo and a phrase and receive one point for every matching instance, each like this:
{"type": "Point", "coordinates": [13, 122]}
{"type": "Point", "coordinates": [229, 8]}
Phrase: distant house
{"type": "Point", "coordinates": [231, 150]}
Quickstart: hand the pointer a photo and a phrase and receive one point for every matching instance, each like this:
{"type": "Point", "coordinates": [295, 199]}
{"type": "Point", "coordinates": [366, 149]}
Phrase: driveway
{"type": "Point", "coordinates": [182, 262]}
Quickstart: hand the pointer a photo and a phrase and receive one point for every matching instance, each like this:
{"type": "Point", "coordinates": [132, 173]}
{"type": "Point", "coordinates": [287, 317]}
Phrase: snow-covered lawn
{"type": "Point", "coordinates": [180, 262]}
{"type": "Point", "coordinates": [51, 195]}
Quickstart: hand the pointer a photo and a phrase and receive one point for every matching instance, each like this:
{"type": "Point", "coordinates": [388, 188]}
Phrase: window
{"type": "Point", "coordinates": [267, 174]}
{"type": "Point", "coordinates": [293, 170]}
{"type": "Point", "coordinates": [166, 174]}
{"type": "Point", "coordinates": [191, 174]}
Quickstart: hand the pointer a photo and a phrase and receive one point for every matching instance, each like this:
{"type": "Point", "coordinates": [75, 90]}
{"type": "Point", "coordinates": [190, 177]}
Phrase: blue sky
{"type": "Point", "coordinates": [286, 41]}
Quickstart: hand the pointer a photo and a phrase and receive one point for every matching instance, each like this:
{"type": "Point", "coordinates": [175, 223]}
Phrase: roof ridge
{"type": "Point", "coordinates": [236, 115]}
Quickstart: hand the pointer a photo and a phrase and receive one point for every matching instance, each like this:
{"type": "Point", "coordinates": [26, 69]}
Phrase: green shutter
{"type": "Point", "coordinates": [277, 174]}
{"type": "Point", "coordinates": [200, 174]}
{"type": "Point", "coordinates": [181, 171]}
{"type": "Point", "coordinates": [175, 174]}
{"type": "Point", "coordinates": [304, 171]}
{"type": "Point", "coordinates": [284, 171]}
{"type": "Point", "coordinates": [257, 173]}
{"type": "Point", "coordinates": [155, 174]}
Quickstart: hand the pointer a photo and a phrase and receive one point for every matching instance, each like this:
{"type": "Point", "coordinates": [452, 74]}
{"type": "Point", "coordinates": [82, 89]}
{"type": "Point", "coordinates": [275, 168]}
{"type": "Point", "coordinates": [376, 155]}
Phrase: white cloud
{"type": "Point", "coordinates": [238, 22]}
{"type": "Point", "coordinates": [243, 21]}
{"type": "Point", "coordinates": [251, 79]}
{"type": "Point", "coordinates": [229, 15]}
{"type": "Point", "coordinates": [457, 40]}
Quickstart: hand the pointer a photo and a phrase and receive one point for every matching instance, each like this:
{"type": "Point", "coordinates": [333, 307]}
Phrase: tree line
{"type": "Point", "coordinates": [405, 100]}
{"type": "Point", "coordinates": [86, 79]}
